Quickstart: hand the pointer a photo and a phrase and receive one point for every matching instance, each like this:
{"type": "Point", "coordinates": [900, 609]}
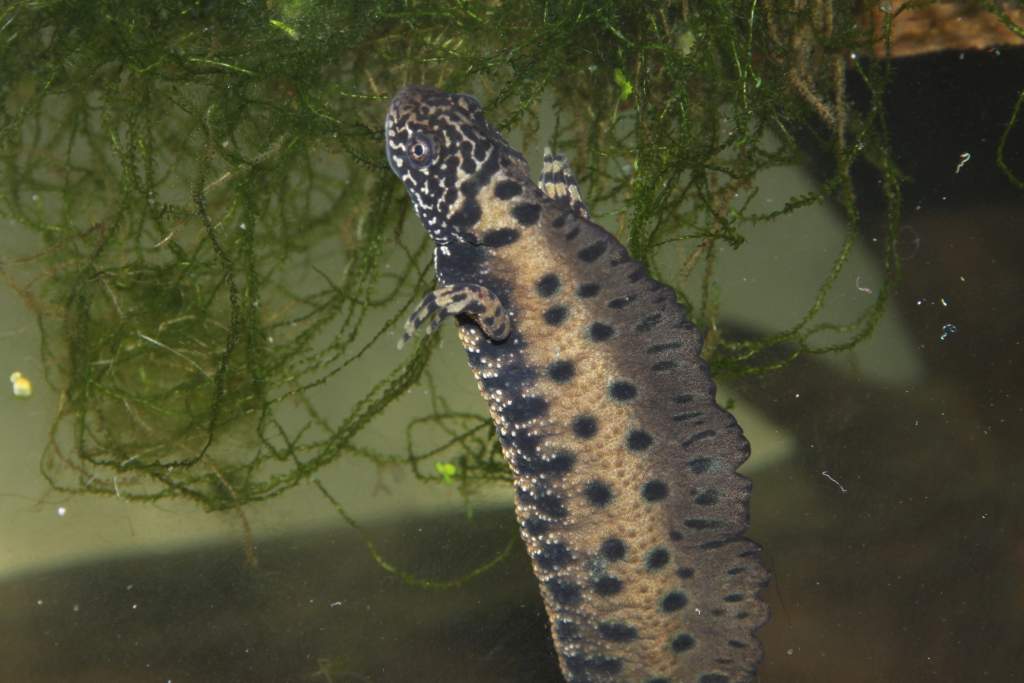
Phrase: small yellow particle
{"type": "Point", "coordinates": [20, 385]}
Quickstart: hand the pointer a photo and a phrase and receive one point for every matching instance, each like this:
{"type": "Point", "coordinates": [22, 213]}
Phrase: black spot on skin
{"type": "Point", "coordinates": [551, 505]}
{"type": "Point", "coordinates": [530, 463]}
{"type": "Point", "coordinates": [522, 409]}
{"type": "Point", "coordinates": [480, 153]}
{"type": "Point", "coordinates": [663, 365]}
{"type": "Point", "coordinates": [621, 302]}
{"type": "Point", "coordinates": [468, 216]}
{"type": "Point", "coordinates": [485, 353]}
{"type": "Point", "coordinates": [709, 497]}
{"type": "Point", "coordinates": [584, 426]}
{"type": "Point", "coordinates": [545, 501]}
{"type": "Point", "coordinates": [675, 535]}
{"type": "Point", "coordinates": [553, 555]}
{"type": "Point", "coordinates": [607, 585]}
{"type": "Point", "coordinates": [526, 214]}
{"type": "Point", "coordinates": [563, 592]}
{"type": "Point", "coordinates": [507, 189]}
{"type": "Point", "coordinates": [560, 463]}
{"type": "Point", "coordinates": [600, 332]}
{"type": "Point", "coordinates": [699, 436]}
{"type": "Point", "coordinates": [535, 526]}
{"type": "Point", "coordinates": [682, 643]}
{"type": "Point", "coordinates": [657, 558]}
{"type": "Point", "coordinates": [648, 323]}
{"type": "Point", "coordinates": [736, 570]}
{"type": "Point", "coordinates": [658, 680]}
{"type": "Point", "coordinates": [733, 597]}
{"type": "Point", "coordinates": [561, 371]}
{"type": "Point", "coordinates": [613, 549]}
{"type": "Point", "coordinates": [567, 630]}
{"type": "Point", "coordinates": [593, 252]}
{"type": "Point", "coordinates": [713, 678]}
{"type": "Point", "coordinates": [548, 285]}
{"type": "Point", "coordinates": [673, 602]}
{"type": "Point", "coordinates": [527, 444]}
{"type": "Point", "coordinates": [684, 573]}
{"type": "Point", "coordinates": [638, 440]}
{"type": "Point", "coordinates": [622, 391]}
{"type": "Point", "coordinates": [655, 490]}
{"type": "Point", "coordinates": [699, 465]}
{"type": "Point", "coordinates": [737, 644]}
{"type": "Point", "coordinates": [572, 234]}
{"type": "Point", "coordinates": [501, 237]}
{"type": "Point", "coordinates": [701, 524]}
{"type": "Point", "coordinates": [616, 632]}
{"type": "Point", "coordinates": [683, 417]}
{"type": "Point", "coordinates": [588, 290]}
{"type": "Point", "coordinates": [559, 221]}
{"type": "Point", "coordinates": [604, 665]}
{"type": "Point", "coordinates": [636, 275]}
{"type": "Point", "coordinates": [555, 315]}
{"type": "Point", "coordinates": [659, 348]}
{"type": "Point", "coordinates": [598, 493]}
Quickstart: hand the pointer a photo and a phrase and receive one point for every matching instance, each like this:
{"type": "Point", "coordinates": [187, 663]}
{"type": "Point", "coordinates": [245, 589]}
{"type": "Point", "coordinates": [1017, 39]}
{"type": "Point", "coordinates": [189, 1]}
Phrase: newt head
{"type": "Point", "coordinates": [443, 150]}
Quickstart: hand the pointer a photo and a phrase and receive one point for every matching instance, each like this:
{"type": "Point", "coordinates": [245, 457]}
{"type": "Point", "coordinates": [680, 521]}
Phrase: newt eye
{"type": "Point", "coordinates": [420, 151]}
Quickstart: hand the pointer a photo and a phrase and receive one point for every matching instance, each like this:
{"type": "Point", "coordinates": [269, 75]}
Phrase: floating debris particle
{"type": "Point", "coordinates": [964, 158]}
{"type": "Point", "coordinates": [20, 385]}
{"type": "Point", "coordinates": [447, 470]}
{"type": "Point", "coordinates": [948, 330]}
{"type": "Point", "coordinates": [832, 479]}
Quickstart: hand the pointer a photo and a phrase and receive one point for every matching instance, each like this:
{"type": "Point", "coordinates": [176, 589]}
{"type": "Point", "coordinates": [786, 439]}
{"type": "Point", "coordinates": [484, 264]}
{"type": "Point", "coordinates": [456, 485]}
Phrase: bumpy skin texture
{"type": "Point", "coordinates": [625, 467]}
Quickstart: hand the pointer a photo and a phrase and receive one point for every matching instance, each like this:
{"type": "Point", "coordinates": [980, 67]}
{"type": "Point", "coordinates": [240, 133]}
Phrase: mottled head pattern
{"type": "Point", "coordinates": [444, 151]}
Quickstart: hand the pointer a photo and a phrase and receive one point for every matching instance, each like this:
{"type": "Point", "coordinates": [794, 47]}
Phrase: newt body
{"type": "Point", "coordinates": [626, 488]}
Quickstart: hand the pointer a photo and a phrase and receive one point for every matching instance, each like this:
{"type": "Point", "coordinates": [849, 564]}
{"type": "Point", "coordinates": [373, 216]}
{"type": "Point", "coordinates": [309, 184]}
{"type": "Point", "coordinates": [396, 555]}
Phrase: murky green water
{"type": "Point", "coordinates": [887, 478]}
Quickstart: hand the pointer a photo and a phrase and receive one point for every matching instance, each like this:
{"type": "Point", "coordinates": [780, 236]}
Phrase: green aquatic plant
{"type": "Point", "coordinates": [217, 245]}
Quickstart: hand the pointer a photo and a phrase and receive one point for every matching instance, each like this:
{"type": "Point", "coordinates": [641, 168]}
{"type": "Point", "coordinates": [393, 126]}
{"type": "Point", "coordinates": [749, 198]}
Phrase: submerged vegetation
{"type": "Point", "coordinates": [219, 242]}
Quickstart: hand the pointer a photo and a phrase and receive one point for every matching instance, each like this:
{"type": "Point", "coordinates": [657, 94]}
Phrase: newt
{"type": "Point", "coordinates": [624, 465]}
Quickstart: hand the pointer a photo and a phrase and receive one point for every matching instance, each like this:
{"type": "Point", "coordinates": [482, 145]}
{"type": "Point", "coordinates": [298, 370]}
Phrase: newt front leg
{"type": "Point", "coordinates": [476, 302]}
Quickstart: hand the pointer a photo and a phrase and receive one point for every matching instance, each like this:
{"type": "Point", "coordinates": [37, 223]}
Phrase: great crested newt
{"type": "Point", "coordinates": [626, 489]}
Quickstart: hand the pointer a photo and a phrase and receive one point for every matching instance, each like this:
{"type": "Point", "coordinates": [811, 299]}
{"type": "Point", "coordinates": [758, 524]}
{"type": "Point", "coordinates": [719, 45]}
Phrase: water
{"type": "Point", "coordinates": [887, 482]}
